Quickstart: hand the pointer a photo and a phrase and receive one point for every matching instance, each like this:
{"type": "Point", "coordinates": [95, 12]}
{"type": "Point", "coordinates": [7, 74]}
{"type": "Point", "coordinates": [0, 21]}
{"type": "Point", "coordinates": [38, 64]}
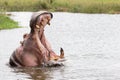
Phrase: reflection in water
{"type": "Point", "coordinates": [34, 73]}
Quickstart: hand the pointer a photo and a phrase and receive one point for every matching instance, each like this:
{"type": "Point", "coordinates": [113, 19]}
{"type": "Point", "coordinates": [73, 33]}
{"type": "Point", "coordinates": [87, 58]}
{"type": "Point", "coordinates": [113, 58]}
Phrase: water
{"type": "Point", "coordinates": [91, 43]}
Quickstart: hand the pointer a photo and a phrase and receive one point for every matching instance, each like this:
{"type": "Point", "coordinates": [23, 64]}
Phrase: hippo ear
{"type": "Point", "coordinates": [61, 53]}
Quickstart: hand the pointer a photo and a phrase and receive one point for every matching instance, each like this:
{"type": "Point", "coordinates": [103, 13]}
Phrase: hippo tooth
{"type": "Point", "coordinates": [37, 26]}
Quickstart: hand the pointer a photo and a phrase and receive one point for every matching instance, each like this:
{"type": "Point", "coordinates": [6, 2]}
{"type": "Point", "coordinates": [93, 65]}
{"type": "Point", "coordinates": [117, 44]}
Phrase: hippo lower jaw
{"type": "Point", "coordinates": [53, 63]}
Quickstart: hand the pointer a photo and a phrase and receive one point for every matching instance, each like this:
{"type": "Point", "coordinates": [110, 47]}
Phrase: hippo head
{"type": "Point", "coordinates": [35, 18]}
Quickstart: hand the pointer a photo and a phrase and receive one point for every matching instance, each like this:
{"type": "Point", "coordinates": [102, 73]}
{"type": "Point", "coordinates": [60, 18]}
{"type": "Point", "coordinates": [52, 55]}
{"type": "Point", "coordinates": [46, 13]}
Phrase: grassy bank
{"type": "Point", "coordinates": [83, 6]}
{"type": "Point", "coordinates": [7, 23]}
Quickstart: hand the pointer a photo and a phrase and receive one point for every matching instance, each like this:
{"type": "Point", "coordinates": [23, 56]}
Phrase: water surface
{"type": "Point", "coordinates": [91, 43]}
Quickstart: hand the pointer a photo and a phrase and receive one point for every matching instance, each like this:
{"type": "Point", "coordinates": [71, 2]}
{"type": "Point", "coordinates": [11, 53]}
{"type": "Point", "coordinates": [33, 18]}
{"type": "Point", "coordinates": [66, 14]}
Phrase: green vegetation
{"type": "Point", "coordinates": [83, 6]}
{"type": "Point", "coordinates": [7, 23]}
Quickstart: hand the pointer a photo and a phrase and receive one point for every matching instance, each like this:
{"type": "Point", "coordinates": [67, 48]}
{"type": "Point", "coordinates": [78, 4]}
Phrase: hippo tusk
{"type": "Point", "coordinates": [61, 53]}
{"type": "Point", "coordinates": [48, 23]}
{"type": "Point", "coordinates": [37, 26]}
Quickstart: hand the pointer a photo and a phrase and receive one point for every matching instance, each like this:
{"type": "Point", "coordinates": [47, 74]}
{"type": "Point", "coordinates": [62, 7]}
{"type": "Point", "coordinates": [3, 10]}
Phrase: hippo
{"type": "Point", "coordinates": [35, 50]}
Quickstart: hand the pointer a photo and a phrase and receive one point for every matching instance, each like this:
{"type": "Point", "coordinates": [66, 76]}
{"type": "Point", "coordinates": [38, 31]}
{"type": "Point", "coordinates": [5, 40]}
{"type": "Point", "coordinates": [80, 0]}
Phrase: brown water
{"type": "Point", "coordinates": [91, 43]}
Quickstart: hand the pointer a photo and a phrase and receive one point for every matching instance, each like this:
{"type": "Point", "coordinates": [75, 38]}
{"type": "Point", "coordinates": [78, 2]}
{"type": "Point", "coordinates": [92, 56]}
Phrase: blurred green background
{"type": "Point", "coordinates": [77, 6]}
{"type": "Point", "coordinates": [82, 6]}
